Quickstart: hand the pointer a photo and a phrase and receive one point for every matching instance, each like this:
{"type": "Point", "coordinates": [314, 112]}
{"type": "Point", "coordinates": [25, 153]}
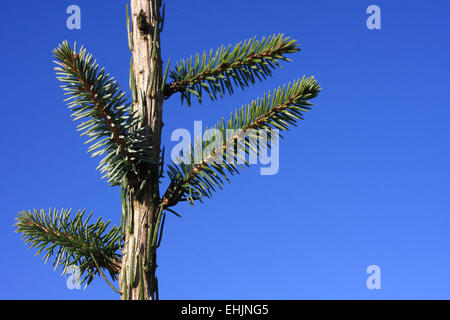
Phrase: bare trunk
{"type": "Point", "coordinates": [137, 277]}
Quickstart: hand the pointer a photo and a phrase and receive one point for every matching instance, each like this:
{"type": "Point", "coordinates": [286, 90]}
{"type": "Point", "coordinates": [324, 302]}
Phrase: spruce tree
{"type": "Point", "coordinates": [125, 132]}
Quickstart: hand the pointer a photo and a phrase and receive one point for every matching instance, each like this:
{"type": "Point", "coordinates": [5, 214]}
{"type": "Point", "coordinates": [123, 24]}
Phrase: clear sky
{"type": "Point", "coordinates": [364, 180]}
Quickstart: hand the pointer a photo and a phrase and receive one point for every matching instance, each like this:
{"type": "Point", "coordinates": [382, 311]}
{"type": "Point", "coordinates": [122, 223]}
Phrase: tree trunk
{"type": "Point", "coordinates": [137, 277]}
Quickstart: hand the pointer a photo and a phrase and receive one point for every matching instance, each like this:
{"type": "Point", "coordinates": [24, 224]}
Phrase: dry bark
{"type": "Point", "coordinates": [137, 277]}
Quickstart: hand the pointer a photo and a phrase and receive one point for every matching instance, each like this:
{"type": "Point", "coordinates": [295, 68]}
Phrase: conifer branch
{"type": "Point", "coordinates": [112, 129]}
{"type": "Point", "coordinates": [72, 241]}
{"type": "Point", "coordinates": [278, 110]}
{"type": "Point", "coordinates": [127, 137]}
{"type": "Point", "coordinates": [217, 73]}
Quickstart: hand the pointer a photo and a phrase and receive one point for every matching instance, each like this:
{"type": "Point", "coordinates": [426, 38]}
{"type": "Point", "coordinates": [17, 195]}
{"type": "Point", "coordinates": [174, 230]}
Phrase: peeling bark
{"type": "Point", "coordinates": [137, 277]}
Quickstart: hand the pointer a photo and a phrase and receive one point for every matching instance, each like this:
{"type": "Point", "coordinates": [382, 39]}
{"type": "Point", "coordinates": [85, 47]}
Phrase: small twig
{"type": "Point", "coordinates": [161, 232]}
{"type": "Point", "coordinates": [103, 275]}
{"type": "Point", "coordinates": [156, 231]}
{"type": "Point", "coordinates": [156, 288]}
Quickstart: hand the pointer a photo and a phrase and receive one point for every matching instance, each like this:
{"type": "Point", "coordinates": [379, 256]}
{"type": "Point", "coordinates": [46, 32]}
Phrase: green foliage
{"type": "Point", "coordinates": [72, 241]}
{"type": "Point", "coordinates": [217, 73]}
{"type": "Point", "coordinates": [117, 134]}
{"type": "Point", "coordinates": [109, 124]}
{"type": "Point", "coordinates": [279, 109]}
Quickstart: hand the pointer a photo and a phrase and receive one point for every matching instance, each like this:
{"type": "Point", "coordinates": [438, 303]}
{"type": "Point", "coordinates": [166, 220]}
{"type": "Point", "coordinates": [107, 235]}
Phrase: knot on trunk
{"type": "Point", "coordinates": [142, 23]}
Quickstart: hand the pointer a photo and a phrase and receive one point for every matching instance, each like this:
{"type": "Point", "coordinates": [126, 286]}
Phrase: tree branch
{"type": "Point", "coordinates": [274, 111]}
{"type": "Point", "coordinates": [74, 240]}
{"type": "Point", "coordinates": [247, 61]}
{"type": "Point", "coordinates": [109, 121]}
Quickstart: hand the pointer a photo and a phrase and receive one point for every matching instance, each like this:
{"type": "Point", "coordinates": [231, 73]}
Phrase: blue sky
{"type": "Point", "coordinates": [364, 180]}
